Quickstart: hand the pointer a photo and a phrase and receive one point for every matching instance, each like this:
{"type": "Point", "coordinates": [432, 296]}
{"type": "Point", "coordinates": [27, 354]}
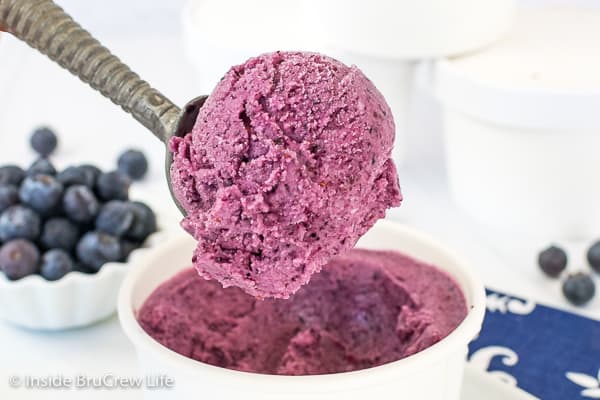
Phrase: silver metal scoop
{"type": "Point", "coordinates": [46, 27]}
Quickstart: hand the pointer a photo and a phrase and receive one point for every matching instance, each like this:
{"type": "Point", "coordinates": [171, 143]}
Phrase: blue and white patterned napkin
{"type": "Point", "coordinates": [552, 354]}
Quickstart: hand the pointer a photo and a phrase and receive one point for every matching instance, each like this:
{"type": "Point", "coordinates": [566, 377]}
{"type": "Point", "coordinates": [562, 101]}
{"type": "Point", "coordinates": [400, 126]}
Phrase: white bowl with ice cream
{"type": "Point", "coordinates": [434, 373]}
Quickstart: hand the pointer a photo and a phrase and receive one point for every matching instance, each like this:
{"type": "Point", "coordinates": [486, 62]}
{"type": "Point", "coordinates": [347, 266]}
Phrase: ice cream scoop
{"type": "Point", "coordinates": [286, 165]}
{"type": "Point", "coordinates": [46, 27]}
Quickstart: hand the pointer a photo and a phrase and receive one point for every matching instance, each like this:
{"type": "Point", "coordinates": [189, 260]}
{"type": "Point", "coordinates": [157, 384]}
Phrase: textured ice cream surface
{"type": "Point", "coordinates": [288, 164]}
{"type": "Point", "coordinates": [364, 309]}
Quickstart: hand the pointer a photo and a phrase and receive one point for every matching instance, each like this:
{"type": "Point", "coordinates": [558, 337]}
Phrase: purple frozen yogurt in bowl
{"type": "Point", "coordinates": [432, 369]}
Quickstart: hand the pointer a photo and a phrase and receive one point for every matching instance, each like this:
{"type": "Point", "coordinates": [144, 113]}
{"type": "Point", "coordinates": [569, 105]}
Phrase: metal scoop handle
{"type": "Point", "coordinates": [46, 27]}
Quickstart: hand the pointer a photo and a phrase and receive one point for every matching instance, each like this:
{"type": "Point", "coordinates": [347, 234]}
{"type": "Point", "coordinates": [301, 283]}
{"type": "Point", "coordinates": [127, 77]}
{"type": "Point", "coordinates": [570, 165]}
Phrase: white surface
{"type": "Point", "coordinates": [97, 130]}
{"type": "Point", "coordinates": [477, 383]}
{"type": "Point", "coordinates": [441, 363]}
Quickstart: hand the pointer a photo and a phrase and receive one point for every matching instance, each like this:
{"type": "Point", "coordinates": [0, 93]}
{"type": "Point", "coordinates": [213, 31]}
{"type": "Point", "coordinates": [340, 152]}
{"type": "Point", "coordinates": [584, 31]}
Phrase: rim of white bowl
{"type": "Point", "coordinates": [465, 332]}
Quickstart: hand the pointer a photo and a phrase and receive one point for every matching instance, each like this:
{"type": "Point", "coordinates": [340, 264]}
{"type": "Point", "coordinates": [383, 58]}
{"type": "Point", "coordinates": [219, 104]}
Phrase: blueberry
{"type": "Point", "coordinates": [115, 218]}
{"type": "Point", "coordinates": [9, 196]}
{"type": "Point", "coordinates": [78, 267]}
{"type": "Point", "coordinates": [144, 221]}
{"type": "Point", "coordinates": [127, 247]}
{"type": "Point", "coordinates": [41, 166]}
{"type": "Point", "coordinates": [44, 141]}
{"type": "Point", "coordinates": [579, 288]}
{"type": "Point", "coordinates": [42, 193]}
{"type": "Point", "coordinates": [92, 171]}
{"type": "Point", "coordinates": [80, 204]}
{"type": "Point", "coordinates": [18, 259]}
{"type": "Point", "coordinates": [553, 261]}
{"type": "Point", "coordinates": [59, 233]}
{"type": "Point", "coordinates": [19, 222]}
{"type": "Point", "coordinates": [56, 263]}
{"type": "Point", "coordinates": [76, 176]}
{"type": "Point", "coordinates": [133, 163]}
{"type": "Point", "coordinates": [11, 175]}
{"type": "Point", "coordinates": [113, 186]}
{"type": "Point", "coordinates": [593, 256]}
{"type": "Point", "coordinates": [96, 249]}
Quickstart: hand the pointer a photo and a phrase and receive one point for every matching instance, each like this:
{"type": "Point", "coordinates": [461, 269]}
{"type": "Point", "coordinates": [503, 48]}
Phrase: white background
{"type": "Point", "coordinates": [146, 35]}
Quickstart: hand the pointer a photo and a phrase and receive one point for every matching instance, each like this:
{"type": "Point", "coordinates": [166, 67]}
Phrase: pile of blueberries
{"type": "Point", "coordinates": [78, 219]}
{"type": "Point", "coordinates": [578, 288]}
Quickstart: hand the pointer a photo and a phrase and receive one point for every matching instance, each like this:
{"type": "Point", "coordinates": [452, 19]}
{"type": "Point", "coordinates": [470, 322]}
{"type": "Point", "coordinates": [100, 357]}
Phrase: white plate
{"type": "Point", "coordinates": [479, 385]}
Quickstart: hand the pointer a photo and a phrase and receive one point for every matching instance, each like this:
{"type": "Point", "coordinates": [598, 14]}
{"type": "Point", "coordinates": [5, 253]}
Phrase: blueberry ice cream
{"type": "Point", "coordinates": [364, 309]}
{"type": "Point", "coordinates": [288, 164]}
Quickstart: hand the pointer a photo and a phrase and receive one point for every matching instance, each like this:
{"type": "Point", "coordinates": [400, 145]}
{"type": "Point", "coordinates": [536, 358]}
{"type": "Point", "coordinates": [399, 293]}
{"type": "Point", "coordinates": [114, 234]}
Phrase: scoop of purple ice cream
{"type": "Point", "coordinates": [288, 164]}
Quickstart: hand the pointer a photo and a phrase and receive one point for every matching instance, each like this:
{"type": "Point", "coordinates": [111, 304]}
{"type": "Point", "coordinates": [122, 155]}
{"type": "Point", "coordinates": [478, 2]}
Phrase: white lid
{"type": "Point", "coordinates": [409, 29]}
{"type": "Point", "coordinates": [544, 74]}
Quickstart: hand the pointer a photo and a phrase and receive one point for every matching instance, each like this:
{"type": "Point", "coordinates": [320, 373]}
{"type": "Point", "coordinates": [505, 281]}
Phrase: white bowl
{"type": "Point", "coordinates": [432, 374]}
{"type": "Point", "coordinates": [74, 301]}
{"type": "Point", "coordinates": [408, 30]}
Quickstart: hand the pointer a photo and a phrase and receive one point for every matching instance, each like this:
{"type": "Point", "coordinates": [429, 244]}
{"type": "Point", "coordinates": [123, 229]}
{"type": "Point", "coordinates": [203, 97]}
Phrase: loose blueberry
{"type": "Point", "coordinates": [56, 263]}
{"type": "Point", "coordinates": [19, 222]}
{"type": "Point", "coordinates": [18, 259]}
{"type": "Point", "coordinates": [44, 141]}
{"type": "Point", "coordinates": [42, 193]}
{"type": "Point", "coordinates": [59, 233]}
{"type": "Point", "coordinates": [96, 249]}
{"type": "Point", "coordinates": [144, 221]}
{"type": "Point", "coordinates": [593, 256]}
{"type": "Point", "coordinates": [9, 196]}
{"type": "Point", "coordinates": [579, 288]}
{"type": "Point", "coordinates": [76, 176]}
{"type": "Point", "coordinates": [41, 166]}
{"type": "Point", "coordinates": [133, 163]}
{"type": "Point", "coordinates": [115, 218]}
{"type": "Point", "coordinates": [11, 175]}
{"type": "Point", "coordinates": [113, 186]}
{"type": "Point", "coordinates": [553, 261]}
{"type": "Point", "coordinates": [80, 204]}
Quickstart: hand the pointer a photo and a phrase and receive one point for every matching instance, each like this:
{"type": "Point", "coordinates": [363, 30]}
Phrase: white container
{"type": "Point", "coordinates": [384, 38]}
{"type": "Point", "coordinates": [73, 301]}
{"type": "Point", "coordinates": [522, 125]}
{"type": "Point", "coordinates": [433, 374]}
{"type": "Point", "coordinates": [408, 30]}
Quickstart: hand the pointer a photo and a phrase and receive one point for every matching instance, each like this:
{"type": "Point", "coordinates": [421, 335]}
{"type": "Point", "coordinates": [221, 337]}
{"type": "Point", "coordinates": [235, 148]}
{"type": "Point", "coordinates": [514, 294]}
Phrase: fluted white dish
{"type": "Point", "coordinates": [76, 300]}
